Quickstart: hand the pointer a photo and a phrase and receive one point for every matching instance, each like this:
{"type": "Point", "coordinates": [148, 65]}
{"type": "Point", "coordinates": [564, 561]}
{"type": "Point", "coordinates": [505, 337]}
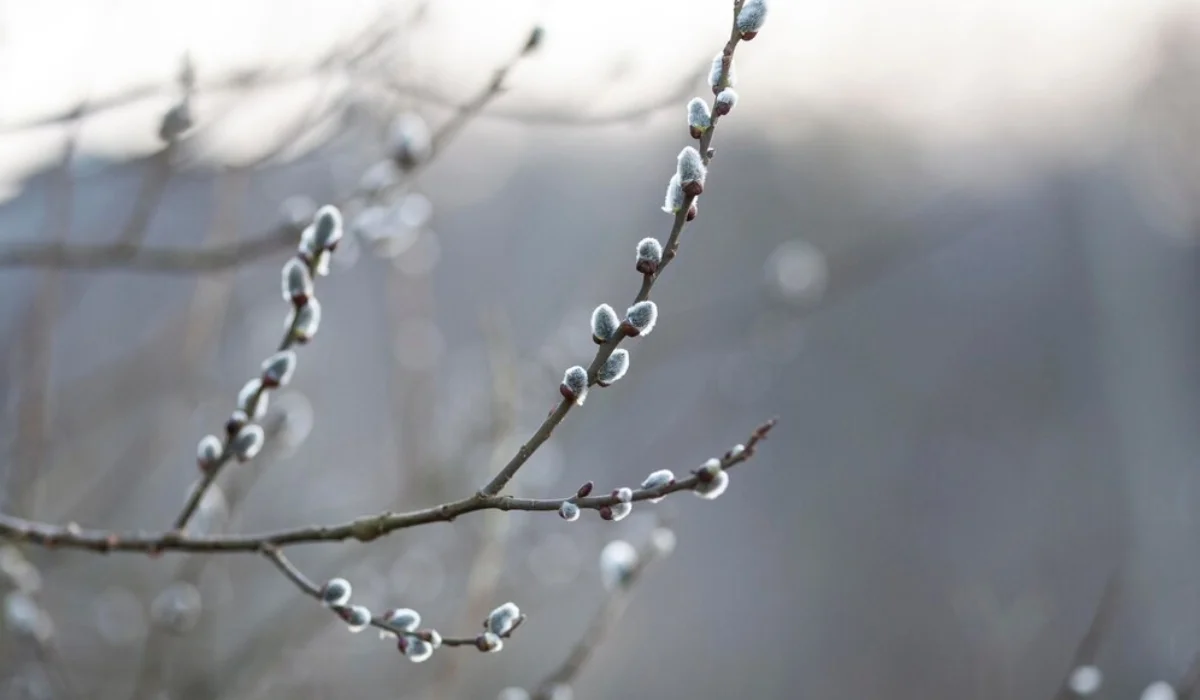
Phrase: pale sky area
{"type": "Point", "coordinates": [952, 69]}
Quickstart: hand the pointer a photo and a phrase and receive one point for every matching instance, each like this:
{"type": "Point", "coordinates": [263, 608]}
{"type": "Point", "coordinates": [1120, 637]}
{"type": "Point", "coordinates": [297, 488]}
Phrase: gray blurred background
{"type": "Point", "coordinates": [952, 245]}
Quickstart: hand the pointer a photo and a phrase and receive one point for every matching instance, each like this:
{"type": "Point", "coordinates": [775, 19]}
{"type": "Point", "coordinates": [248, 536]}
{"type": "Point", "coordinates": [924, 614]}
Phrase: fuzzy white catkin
{"type": "Point", "coordinates": [575, 383]}
{"type": "Point", "coordinates": [1085, 680]}
{"type": "Point", "coordinates": [657, 479]}
{"type": "Point", "coordinates": [253, 399]}
{"type": "Point", "coordinates": [357, 617]}
{"type": "Point", "coordinates": [624, 494]}
{"type": "Point", "coordinates": [327, 227]}
{"type": "Point", "coordinates": [604, 323]}
{"type": "Point", "coordinates": [618, 559]}
{"type": "Point", "coordinates": [649, 250]}
{"type": "Point", "coordinates": [417, 650]}
{"type": "Point", "coordinates": [691, 167]}
{"type": "Point", "coordinates": [698, 114]}
{"type": "Point", "coordinates": [726, 100]}
{"type": "Point", "coordinates": [411, 140]}
{"type": "Point", "coordinates": [642, 317]}
{"type": "Point", "coordinates": [503, 618]}
{"type": "Point", "coordinates": [335, 592]}
{"type": "Point", "coordinates": [434, 638]}
{"type": "Point", "coordinates": [405, 619]}
{"type": "Point", "coordinates": [663, 540]}
{"type": "Point", "coordinates": [305, 321]}
{"type": "Point", "coordinates": [489, 641]}
{"type": "Point", "coordinates": [568, 511]}
{"type": "Point", "coordinates": [248, 442]}
{"type": "Point", "coordinates": [297, 283]}
{"type": "Point", "coordinates": [208, 450]}
{"type": "Point", "coordinates": [752, 16]}
{"type": "Point", "coordinates": [714, 75]}
{"type": "Point", "coordinates": [675, 198]}
{"type": "Point", "coordinates": [1159, 690]}
{"type": "Point", "coordinates": [613, 368]}
{"type": "Point", "coordinates": [278, 369]}
{"type": "Point", "coordinates": [710, 490]}
{"type": "Point", "coordinates": [620, 511]}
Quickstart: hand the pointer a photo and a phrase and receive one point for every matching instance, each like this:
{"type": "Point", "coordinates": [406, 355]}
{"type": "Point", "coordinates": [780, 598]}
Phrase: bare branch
{"type": "Point", "coordinates": [312, 590]}
{"type": "Point", "coordinates": [364, 529]}
{"type": "Point", "coordinates": [682, 216]}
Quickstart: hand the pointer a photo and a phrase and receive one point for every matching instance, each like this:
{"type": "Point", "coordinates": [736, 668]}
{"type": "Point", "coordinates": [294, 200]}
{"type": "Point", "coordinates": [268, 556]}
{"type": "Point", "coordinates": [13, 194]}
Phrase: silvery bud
{"type": "Point", "coordinates": [604, 324]}
{"type": "Point", "coordinates": [726, 101]}
{"type": "Point", "coordinates": [356, 617]}
{"type": "Point", "coordinates": [335, 592]}
{"type": "Point", "coordinates": [699, 118]}
{"type": "Point", "coordinates": [412, 142]}
{"type": "Point", "coordinates": [640, 319]}
{"type": "Point", "coordinates": [248, 442]}
{"type": "Point", "coordinates": [675, 197]}
{"type": "Point", "coordinates": [208, 452]}
{"type": "Point", "coordinates": [277, 370]}
{"type": "Point", "coordinates": [751, 17]}
{"type": "Point", "coordinates": [569, 511]}
{"type": "Point", "coordinates": [327, 228]}
{"type": "Point", "coordinates": [574, 385]}
{"type": "Point", "coordinates": [658, 479]}
{"type": "Point", "coordinates": [503, 619]}
{"type": "Point", "coordinates": [613, 368]}
{"type": "Point", "coordinates": [712, 488]}
{"type": "Point", "coordinates": [649, 256]}
{"type": "Point", "coordinates": [404, 619]}
{"type": "Point", "coordinates": [414, 649]}
{"type": "Point", "coordinates": [305, 321]}
{"type": "Point", "coordinates": [718, 77]}
{"type": "Point", "coordinates": [489, 641]}
{"type": "Point", "coordinates": [691, 171]}
{"type": "Point", "coordinates": [297, 282]}
{"type": "Point", "coordinates": [618, 561]}
{"type": "Point", "coordinates": [616, 512]}
{"type": "Point", "coordinates": [1085, 680]}
{"type": "Point", "coordinates": [253, 399]}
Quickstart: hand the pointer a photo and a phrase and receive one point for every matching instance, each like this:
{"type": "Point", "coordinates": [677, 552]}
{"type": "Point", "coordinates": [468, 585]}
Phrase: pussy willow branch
{"type": "Point", "coordinates": [312, 590]}
{"type": "Point", "coordinates": [598, 629]}
{"type": "Point", "coordinates": [497, 484]}
{"type": "Point", "coordinates": [136, 258]}
{"type": "Point", "coordinates": [363, 529]}
{"type": "Point", "coordinates": [214, 470]}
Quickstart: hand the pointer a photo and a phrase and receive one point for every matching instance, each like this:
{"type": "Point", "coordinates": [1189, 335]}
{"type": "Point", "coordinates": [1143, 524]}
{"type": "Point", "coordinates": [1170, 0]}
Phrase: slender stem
{"type": "Point", "coordinates": [363, 529]}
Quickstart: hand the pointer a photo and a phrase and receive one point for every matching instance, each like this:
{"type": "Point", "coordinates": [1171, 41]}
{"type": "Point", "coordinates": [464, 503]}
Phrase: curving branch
{"type": "Point", "coordinates": [133, 257]}
{"type": "Point", "coordinates": [364, 529]}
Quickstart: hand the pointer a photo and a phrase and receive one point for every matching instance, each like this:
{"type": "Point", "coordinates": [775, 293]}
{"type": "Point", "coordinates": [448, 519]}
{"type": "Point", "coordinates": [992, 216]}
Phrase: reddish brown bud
{"type": "Point", "coordinates": [749, 36]}
{"type": "Point", "coordinates": [696, 132]}
{"type": "Point", "coordinates": [606, 513]}
{"type": "Point", "coordinates": [694, 188]}
{"type": "Point", "coordinates": [692, 211]}
{"type": "Point", "coordinates": [585, 489]}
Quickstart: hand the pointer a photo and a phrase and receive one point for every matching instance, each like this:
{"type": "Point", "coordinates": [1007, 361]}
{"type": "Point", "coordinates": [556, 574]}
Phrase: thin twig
{"type": "Point", "coordinates": [290, 572]}
{"type": "Point", "coordinates": [497, 484]}
{"type": "Point", "coordinates": [135, 258]}
{"type": "Point", "coordinates": [364, 529]}
{"type": "Point", "coordinates": [602, 623]}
